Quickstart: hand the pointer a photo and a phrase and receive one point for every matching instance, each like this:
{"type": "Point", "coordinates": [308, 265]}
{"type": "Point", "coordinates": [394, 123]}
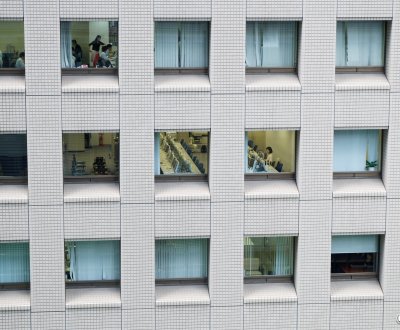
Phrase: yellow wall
{"type": "Point", "coordinates": [12, 33]}
{"type": "Point", "coordinates": [282, 144]}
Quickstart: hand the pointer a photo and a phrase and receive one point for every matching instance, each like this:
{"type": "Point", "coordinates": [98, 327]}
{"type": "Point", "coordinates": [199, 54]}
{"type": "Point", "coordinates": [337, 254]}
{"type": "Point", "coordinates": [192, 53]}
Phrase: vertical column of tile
{"type": "Point", "coordinates": [47, 266]}
{"type": "Point", "coordinates": [136, 82]}
{"type": "Point", "coordinates": [44, 150]}
{"type": "Point", "coordinates": [312, 275]}
{"type": "Point", "coordinates": [393, 50]}
{"type": "Point", "coordinates": [226, 265]}
{"type": "Point", "coordinates": [42, 47]}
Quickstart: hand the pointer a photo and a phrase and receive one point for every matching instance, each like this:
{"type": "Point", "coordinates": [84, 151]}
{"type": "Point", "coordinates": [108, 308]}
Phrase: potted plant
{"type": "Point", "coordinates": [371, 166]}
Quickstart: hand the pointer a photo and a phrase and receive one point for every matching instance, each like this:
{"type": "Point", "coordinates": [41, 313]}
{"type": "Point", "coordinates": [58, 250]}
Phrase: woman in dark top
{"type": "Point", "coordinates": [94, 54]}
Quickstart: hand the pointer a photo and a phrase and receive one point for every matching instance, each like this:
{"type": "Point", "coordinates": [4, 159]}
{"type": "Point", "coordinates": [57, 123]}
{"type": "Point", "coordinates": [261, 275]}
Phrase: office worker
{"type": "Point", "coordinates": [269, 159]}
{"type": "Point", "coordinates": [20, 64]}
{"type": "Point", "coordinates": [77, 53]}
{"type": "Point", "coordinates": [95, 48]}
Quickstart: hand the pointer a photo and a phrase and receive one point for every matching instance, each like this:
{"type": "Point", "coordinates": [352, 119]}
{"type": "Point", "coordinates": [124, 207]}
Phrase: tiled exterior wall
{"type": "Point", "coordinates": [136, 110]}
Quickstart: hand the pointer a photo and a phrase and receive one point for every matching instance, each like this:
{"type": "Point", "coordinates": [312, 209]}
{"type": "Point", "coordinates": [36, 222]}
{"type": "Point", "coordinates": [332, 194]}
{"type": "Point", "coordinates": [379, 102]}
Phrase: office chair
{"type": "Point", "coordinates": [250, 143]}
{"type": "Point", "coordinates": [194, 158]}
{"type": "Point", "coordinates": [279, 167]}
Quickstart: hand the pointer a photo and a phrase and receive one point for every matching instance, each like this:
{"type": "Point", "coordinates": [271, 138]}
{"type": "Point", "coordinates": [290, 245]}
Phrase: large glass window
{"type": "Point", "coordinates": [14, 263]}
{"type": "Point", "coordinates": [271, 44]}
{"type": "Point", "coordinates": [181, 259]}
{"type": "Point", "coordinates": [92, 261]}
{"type": "Point", "coordinates": [265, 256]}
{"type": "Point", "coordinates": [181, 45]}
{"type": "Point", "coordinates": [12, 47]}
{"type": "Point", "coordinates": [89, 44]}
{"type": "Point", "coordinates": [13, 158]}
{"type": "Point", "coordinates": [357, 151]}
{"type": "Point", "coordinates": [181, 153]}
{"type": "Point", "coordinates": [91, 155]}
{"type": "Point", "coordinates": [360, 44]}
{"type": "Point", "coordinates": [355, 254]}
{"type": "Point", "coordinates": [270, 151]}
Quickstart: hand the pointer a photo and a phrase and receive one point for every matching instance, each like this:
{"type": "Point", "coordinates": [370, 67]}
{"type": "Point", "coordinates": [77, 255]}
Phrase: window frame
{"type": "Point", "coordinates": [359, 275]}
{"type": "Point", "coordinates": [250, 70]}
{"type": "Point", "coordinates": [90, 178]}
{"type": "Point", "coordinates": [176, 177]}
{"type": "Point", "coordinates": [184, 281]}
{"type": "Point", "coordinates": [361, 174]}
{"type": "Point", "coordinates": [261, 176]}
{"type": "Point", "coordinates": [273, 278]}
{"type": "Point", "coordinates": [365, 69]}
{"type": "Point", "coordinates": [179, 70]}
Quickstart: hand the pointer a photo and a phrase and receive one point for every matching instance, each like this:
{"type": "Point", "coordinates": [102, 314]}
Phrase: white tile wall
{"type": "Point", "coordinates": [135, 106]}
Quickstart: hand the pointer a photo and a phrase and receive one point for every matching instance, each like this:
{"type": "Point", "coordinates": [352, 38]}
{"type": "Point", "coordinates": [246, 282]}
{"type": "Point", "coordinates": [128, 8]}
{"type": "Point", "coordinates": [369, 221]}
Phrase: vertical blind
{"type": "Point", "coordinates": [355, 244]}
{"type": "Point", "coordinates": [181, 258]}
{"type": "Point", "coordinates": [181, 44]}
{"type": "Point", "coordinates": [271, 44]}
{"type": "Point", "coordinates": [14, 262]}
{"type": "Point", "coordinates": [360, 43]}
{"type": "Point", "coordinates": [352, 148]}
{"type": "Point", "coordinates": [94, 260]}
{"type": "Point", "coordinates": [273, 254]}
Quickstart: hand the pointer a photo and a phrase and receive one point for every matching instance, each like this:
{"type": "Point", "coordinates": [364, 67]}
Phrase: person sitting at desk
{"type": "Point", "coordinates": [20, 64]}
{"type": "Point", "coordinates": [269, 159]}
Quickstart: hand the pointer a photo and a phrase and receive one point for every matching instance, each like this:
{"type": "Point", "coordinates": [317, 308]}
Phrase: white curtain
{"type": "Point", "coordinates": [271, 44]}
{"type": "Point", "coordinates": [355, 244]}
{"type": "Point", "coordinates": [353, 148]}
{"type": "Point", "coordinates": [14, 262]}
{"type": "Point", "coordinates": [181, 258]}
{"type": "Point", "coordinates": [194, 44]}
{"type": "Point", "coordinates": [279, 44]}
{"type": "Point", "coordinates": [94, 260]}
{"type": "Point", "coordinates": [284, 256]}
{"type": "Point", "coordinates": [360, 43]}
{"type": "Point", "coordinates": [67, 60]}
{"type": "Point", "coordinates": [166, 45]}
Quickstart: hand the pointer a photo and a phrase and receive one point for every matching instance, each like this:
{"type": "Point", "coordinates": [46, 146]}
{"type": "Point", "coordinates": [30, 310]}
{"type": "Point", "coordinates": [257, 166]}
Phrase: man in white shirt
{"type": "Point", "coordinates": [20, 64]}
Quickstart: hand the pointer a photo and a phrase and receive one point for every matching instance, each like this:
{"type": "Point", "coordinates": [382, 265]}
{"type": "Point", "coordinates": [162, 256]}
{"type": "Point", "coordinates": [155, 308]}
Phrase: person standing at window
{"type": "Point", "coordinates": [95, 48]}
{"type": "Point", "coordinates": [77, 53]}
{"type": "Point", "coordinates": [20, 64]}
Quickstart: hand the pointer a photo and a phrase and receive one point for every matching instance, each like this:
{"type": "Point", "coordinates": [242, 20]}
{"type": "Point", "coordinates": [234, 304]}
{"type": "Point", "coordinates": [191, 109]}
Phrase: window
{"type": "Point", "coordinates": [12, 47]}
{"type": "Point", "coordinates": [355, 254]}
{"type": "Point", "coordinates": [271, 45]}
{"type": "Point", "coordinates": [89, 45]}
{"type": "Point", "coordinates": [357, 151]}
{"type": "Point", "coordinates": [92, 261]}
{"type": "Point", "coordinates": [13, 158]}
{"type": "Point", "coordinates": [181, 153]}
{"type": "Point", "coordinates": [181, 260]}
{"type": "Point", "coordinates": [360, 44]}
{"type": "Point", "coordinates": [181, 45]}
{"type": "Point", "coordinates": [91, 156]}
{"type": "Point", "coordinates": [270, 152]}
{"type": "Point", "coordinates": [268, 256]}
{"type": "Point", "coordinates": [14, 264]}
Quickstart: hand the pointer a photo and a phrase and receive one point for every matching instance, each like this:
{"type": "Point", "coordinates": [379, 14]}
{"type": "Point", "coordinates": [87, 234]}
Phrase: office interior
{"type": "Point", "coordinates": [11, 42]}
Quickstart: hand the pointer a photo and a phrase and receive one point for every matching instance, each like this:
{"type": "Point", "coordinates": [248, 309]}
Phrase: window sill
{"type": "Point", "coordinates": [91, 192]}
{"type": "Point", "coordinates": [83, 83]}
{"type": "Point", "coordinates": [270, 189]}
{"type": "Point", "coordinates": [15, 300]}
{"type": "Point", "coordinates": [272, 82]}
{"type": "Point", "coordinates": [356, 290]}
{"type": "Point", "coordinates": [269, 292]}
{"type": "Point", "coordinates": [12, 83]}
{"type": "Point", "coordinates": [93, 297]}
{"type": "Point", "coordinates": [182, 83]}
{"type": "Point", "coordinates": [16, 194]}
{"type": "Point", "coordinates": [181, 191]}
{"type": "Point", "coordinates": [358, 188]}
{"type": "Point", "coordinates": [182, 295]}
{"type": "Point", "coordinates": [361, 81]}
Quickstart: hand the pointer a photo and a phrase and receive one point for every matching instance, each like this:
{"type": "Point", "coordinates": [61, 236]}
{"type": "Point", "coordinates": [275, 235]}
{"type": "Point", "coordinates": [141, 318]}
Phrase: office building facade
{"type": "Point", "coordinates": [204, 165]}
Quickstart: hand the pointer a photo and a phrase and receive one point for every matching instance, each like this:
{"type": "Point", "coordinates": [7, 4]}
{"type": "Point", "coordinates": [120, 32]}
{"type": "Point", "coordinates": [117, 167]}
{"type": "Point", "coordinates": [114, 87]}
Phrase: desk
{"type": "Point", "coordinates": [165, 164]}
{"type": "Point", "coordinates": [186, 157]}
